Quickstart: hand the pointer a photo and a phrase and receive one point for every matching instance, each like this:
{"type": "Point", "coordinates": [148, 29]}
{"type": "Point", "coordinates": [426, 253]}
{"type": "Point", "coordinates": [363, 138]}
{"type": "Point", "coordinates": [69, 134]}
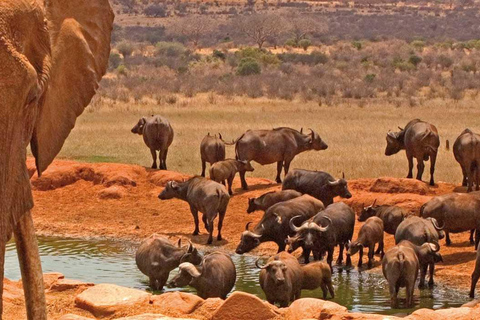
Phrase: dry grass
{"type": "Point", "coordinates": [355, 134]}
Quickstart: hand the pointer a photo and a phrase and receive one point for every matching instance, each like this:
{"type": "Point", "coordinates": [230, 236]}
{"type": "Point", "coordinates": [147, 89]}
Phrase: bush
{"type": "Point", "coordinates": [291, 43]}
{"type": "Point", "coordinates": [357, 45]}
{"type": "Point", "coordinates": [418, 44]}
{"type": "Point", "coordinates": [305, 43]}
{"type": "Point", "coordinates": [114, 61]}
{"type": "Point", "coordinates": [311, 59]}
{"type": "Point", "coordinates": [122, 70]}
{"type": "Point", "coordinates": [248, 66]}
{"type": "Point", "coordinates": [415, 60]}
{"type": "Point", "coordinates": [170, 49]}
{"type": "Point", "coordinates": [155, 10]}
{"type": "Point", "coordinates": [370, 77]}
{"type": "Point", "coordinates": [219, 54]}
{"type": "Point", "coordinates": [125, 48]}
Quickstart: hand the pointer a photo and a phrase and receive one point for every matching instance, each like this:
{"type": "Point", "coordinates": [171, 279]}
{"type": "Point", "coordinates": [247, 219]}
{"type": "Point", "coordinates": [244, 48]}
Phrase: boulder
{"type": "Point", "coordinates": [151, 316]}
{"type": "Point", "coordinates": [445, 314]}
{"type": "Point", "coordinates": [207, 308]}
{"type": "Point", "coordinates": [393, 185]}
{"type": "Point", "coordinates": [12, 290]}
{"type": "Point", "coordinates": [160, 178]}
{"type": "Point", "coordinates": [181, 302]}
{"type": "Point", "coordinates": [113, 192]}
{"type": "Point", "coordinates": [241, 305]}
{"type": "Point", "coordinates": [68, 284]}
{"type": "Point", "coordinates": [312, 308]}
{"type": "Point", "coordinates": [106, 299]}
{"type": "Point", "coordinates": [50, 278]}
{"type": "Point", "coordinates": [71, 316]}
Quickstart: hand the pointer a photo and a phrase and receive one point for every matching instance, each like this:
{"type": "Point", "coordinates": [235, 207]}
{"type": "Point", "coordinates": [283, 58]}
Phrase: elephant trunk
{"type": "Point", "coordinates": [31, 268]}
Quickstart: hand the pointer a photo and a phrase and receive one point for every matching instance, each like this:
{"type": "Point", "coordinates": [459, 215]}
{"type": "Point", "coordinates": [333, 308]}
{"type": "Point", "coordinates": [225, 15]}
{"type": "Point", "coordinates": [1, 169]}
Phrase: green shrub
{"type": "Point", "coordinates": [248, 66]}
{"type": "Point", "coordinates": [125, 48]}
{"type": "Point", "coordinates": [219, 54]}
{"type": "Point", "coordinates": [122, 70]}
{"type": "Point", "coordinates": [418, 44]}
{"type": "Point", "coordinates": [170, 49]}
{"type": "Point", "coordinates": [415, 60]}
{"type": "Point", "coordinates": [291, 43]}
{"type": "Point", "coordinates": [114, 61]}
{"type": "Point", "coordinates": [370, 77]}
{"type": "Point", "coordinates": [305, 43]}
{"type": "Point", "coordinates": [357, 45]}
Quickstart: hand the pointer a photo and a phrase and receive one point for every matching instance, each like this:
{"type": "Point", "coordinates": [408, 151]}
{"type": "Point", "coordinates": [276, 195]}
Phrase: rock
{"type": "Point", "coordinates": [71, 316]}
{"type": "Point", "coordinates": [12, 290]}
{"type": "Point", "coordinates": [184, 303]}
{"type": "Point", "coordinates": [151, 316]}
{"type": "Point", "coordinates": [50, 278]}
{"type": "Point", "coordinates": [207, 308]}
{"type": "Point", "coordinates": [106, 299]}
{"type": "Point", "coordinates": [68, 284]}
{"type": "Point", "coordinates": [160, 178]}
{"type": "Point", "coordinates": [392, 185]}
{"type": "Point", "coordinates": [445, 314]}
{"type": "Point", "coordinates": [312, 308]}
{"type": "Point", "coordinates": [357, 316]}
{"type": "Point", "coordinates": [113, 192]}
{"type": "Point", "coordinates": [471, 304]}
{"type": "Point", "coordinates": [241, 305]}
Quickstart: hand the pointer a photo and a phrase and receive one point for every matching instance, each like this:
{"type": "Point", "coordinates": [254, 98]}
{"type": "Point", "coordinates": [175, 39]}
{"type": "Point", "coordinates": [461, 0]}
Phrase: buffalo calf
{"type": "Point", "coordinates": [268, 199]}
{"type": "Point", "coordinates": [370, 234]}
{"type": "Point", "coordinates": [227, 169]}
{"type": "Point", "coordinates": [318, 274]}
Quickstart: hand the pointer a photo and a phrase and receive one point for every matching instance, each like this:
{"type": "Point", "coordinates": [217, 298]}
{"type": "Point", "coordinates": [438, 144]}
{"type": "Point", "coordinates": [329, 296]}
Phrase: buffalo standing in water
{"type": "Point", "coordinates": [279, 145]}
{"type": "Point", "coordinates": [158, 135]}
{"type": "Point", "coordinates": [420, 140]}
{"type": "Point", "coordinates": [466, 150]}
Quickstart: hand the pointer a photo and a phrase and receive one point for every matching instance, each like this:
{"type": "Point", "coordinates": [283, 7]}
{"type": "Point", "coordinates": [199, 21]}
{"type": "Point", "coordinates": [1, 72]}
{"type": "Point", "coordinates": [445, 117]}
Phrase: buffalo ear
{"type": "Point", "coordinates": [79, 33]}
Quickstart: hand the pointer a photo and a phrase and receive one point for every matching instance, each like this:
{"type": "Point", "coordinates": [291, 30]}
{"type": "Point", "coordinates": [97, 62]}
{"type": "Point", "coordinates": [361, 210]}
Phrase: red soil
{"type": "Point", "coordinates": [120, 202]}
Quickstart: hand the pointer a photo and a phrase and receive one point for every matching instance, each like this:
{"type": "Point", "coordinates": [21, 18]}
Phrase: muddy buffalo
{"type": "Point", "coordinates": [329, 228]}
{"type": "Point", "coordinates": [318, 184]}
{"type": "Point", "coordinates": [391, 216]}
{"type": "Point", "coordinates": [457, 212]}
{"type": "Point", "coordinates": [213, 278]}
{"type": "Point", "coordinates": [208, 197]}
{"type": "Point", "coordinates": [420, 140]}
{"type": "Point", "coordinates": [158, 136]}
{"type": "Point", "coordinates": [156, 257]}
{"type": "Point", "coordinates": [466, 150]}
{"type": "Point", "coordinates": [268, 199]}
{"type": "Point", "coordinates": [275, 223]}
{"type": "Point", "coordinates": [212, 149]}
{"type": "Point", "coordinates": [279, 145]}
{"type": "Point", "coordinates": [400, 268]}
{"type": "Point", "coordinates": [281, 279]}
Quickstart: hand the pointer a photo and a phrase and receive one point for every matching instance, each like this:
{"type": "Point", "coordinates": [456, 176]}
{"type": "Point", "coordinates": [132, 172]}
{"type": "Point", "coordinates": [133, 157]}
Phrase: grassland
{"type": "Point", "coordinates": [355, 134]}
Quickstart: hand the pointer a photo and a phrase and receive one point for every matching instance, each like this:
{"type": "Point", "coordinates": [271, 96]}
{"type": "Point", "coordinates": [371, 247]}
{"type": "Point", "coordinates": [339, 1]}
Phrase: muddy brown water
{"type": "Point", "coordinates": [102, 261]}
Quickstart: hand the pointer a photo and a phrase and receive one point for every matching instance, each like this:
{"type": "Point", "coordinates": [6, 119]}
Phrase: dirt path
{"type": "Point", "coordinates": [120, 202]}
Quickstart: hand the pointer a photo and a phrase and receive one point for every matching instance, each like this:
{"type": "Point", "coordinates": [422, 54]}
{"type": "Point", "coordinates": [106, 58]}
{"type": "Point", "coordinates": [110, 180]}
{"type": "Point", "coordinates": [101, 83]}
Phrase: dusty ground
{"type": "Point", "coordinates": [120, 202]}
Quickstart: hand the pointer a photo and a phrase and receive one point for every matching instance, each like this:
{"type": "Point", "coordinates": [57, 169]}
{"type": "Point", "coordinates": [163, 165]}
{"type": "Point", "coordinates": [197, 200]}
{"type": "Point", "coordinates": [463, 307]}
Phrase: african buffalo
{"type": "Point", "coordinates": [156, 257]}
{"type": "Point", "coordinates": [208, 197]}
{"type": "Point", "coordinates": [318, 274]}
{"type": "Point", "coordinates": [279, 145]}
{"type": "Point", "coordinates": [158, 136]}
{"type": "Point", "coordinates": [466, 150]}
{"type": "Point", "coordinates": [400, 268]}
{"type": "Point", "coordinates": [318, 184]}
{"type": "Point", "coordinates": [475, 274]}
{"type": "Point", "coordinates": [213, 278]}
{"type": "Point", "coordinates": [275, 223]}
{"type": "Point", "coordinates": [227, 169]}
{"type": "Point", "coordinates": [420, 140]}
{"type": "Point", "coordinates": [268, 199]}
{"type": "Point", "coordinates": [329, 228]}
{"type": "Point", "coordinates": [427, 255]}
{"type": "Point", "coordinates": [391, 216]}
{"type": "Point", "coordinates": [212, 149]}
{"type": "Point", "coordinates": [457, 212]}
{"type": "Point", "coordinates": [418, 230]}
{"type": "Point", "coordinates": [281, 279]}
{"type": "Point", "coordinates": [370, 234]}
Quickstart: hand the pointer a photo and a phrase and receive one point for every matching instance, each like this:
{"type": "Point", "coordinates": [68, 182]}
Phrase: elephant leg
{"type": "Point", "coordinates": [31, 268]}
{"type": "Point", "coordinates": [410, 167]}
{"type": "Point", "coordinates": [433, 160]}
{"type": "Point", "coordinates": [279, 171]}
{"type": "Point", "coordinates": [154, 157]}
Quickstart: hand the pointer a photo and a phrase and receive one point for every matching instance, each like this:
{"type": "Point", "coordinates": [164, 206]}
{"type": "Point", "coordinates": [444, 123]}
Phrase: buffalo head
{"type": "Point", "coordinates": [431, 251]}
{"type": "Point", "coordinates": [249, 241]}
{"type": "Point", "coordinates": [276, 270]}
{"type": "Point", "coordinates": [394, 143]}
{"type": "Point", "coordinates": [252, 206]}
{"type": "Point", "coordinates": [191, 255]}
{"type": "Point", "coordinates": [316, 142]}
{"type": "Point", "coordinates": [306, 234]}
{"type": "Point", "coordinates": [353, 247]}
{"type": "Point", "coordinates": [138, 128]}
{"type": "Point", "coordinates": [245, 165]}
{"type": "Point", "coordinates": [187, 273]}
{"type": "Point", "coordinates": [441, 233]}
{"type": "Point", "coordinates": [171, 191]}
{"type": "Point", "coordinates": [339, 188]}
{"type": "Point", "coordinates": [367, 212]}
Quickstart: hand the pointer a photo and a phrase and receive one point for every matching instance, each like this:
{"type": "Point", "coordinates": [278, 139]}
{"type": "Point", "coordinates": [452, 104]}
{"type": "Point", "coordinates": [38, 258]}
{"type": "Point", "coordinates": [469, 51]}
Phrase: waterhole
{"type": "Point", "coordinates": [101, 261]}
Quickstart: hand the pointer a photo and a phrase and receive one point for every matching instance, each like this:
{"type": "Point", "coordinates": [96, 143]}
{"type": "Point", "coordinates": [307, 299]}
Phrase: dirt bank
{"type": "Point", "coordinates": [120, 201]}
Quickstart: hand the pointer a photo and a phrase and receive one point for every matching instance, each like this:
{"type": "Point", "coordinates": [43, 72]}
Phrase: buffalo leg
{"type": "Point", "coordinates": [433, 160]}
{"type": "Point", "coordinates": [31, 268]}
{"type": "Point", "coordinates": [477, 178]}
{"type": "Point", "coordinates": [164, 159]}
{"type": "Point", "coordinates": [204, 167]}
{"type": "Point", "coordinates": [423, 274]}
{"type": "Point", "coordinates": [360, 253]}
{"type": "Point", "coordinates": [447, 238]}
{"type": "Point", "coordinates": [393, 295]}
{"type": "Point", "coordinates": [324, 290]}
{"type": "Point", "coordinates": [477, 239]}
{"type": "Point", "coordinates": [154, 156]}
{"type": "Point", "coordinates": [243, 180]}
{"type": "Point", "coordinates": [371, 251]}
{"type": "Point", "coordinates": [210, 231]}
{"type": "Point", "coordinates": [330, 257]}
{"type": "Point", "coordinates": [349, 261]}
{"type": "Point", "coordinates": [464, 173]}
{"type": "Point", "coordinates": [230, 182]}
{"type": "Point", "coordinates": [221, 216]}
{"type": "Point", "coordinates": [410, 167]}
{"type": "Point", "coordinates": [410, 288]}
{"type": "Point", "coordinates": [432, 270]}
{"type": "Point", "coordinates": [205, 222]}
{"type": "Point", "coordinates": [286, 166]}
{"type": "Point", "coordinates": [471, 236]}
{"type": "Point", "coordinates": [279, 171]}
{"type": "Point", "coordinates": [381, 247]}
{"type": "Point", "coordinates": [330, 288]}
{"type": "Point", "coordinates": [340, 255]}
{"type": "Point", "coordinates": [306, 256]}
{"type": "Point", "coordinates": [195, 220]}
{"type": "Point", "coordinates": [420, 168]}
{"type": "Point", "coordinates": [2, 266]}
{"type": "Point", "coordinates": [475, 277]}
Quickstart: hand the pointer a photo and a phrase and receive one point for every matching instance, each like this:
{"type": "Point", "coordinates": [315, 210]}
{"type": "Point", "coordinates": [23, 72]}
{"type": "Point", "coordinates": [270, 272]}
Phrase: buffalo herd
{"type": "Point", "coordinates": [303, 215]}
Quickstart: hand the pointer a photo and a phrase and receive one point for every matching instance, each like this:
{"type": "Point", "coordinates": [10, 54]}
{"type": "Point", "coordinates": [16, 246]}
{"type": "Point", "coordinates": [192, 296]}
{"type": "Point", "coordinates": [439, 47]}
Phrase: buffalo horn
{"type": "Point", "coordinates": [258, 266]}
{"type": "Point", "coordinates": [293, 226]}
{"type": "Point", "coordinates": [435, 224]}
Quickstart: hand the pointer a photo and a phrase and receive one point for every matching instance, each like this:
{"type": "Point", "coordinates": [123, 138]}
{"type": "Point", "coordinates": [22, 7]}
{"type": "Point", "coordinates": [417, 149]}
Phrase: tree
{"type": "Point", "coordinates": [261, 27]}
{"type": "Point", "coordinates": [303, 26]}
{"type": "Point", "coordinates": [193, 28]}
